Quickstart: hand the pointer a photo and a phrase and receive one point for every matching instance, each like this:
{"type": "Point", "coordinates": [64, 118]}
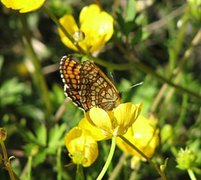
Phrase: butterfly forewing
{"type": "Point", "coordinates": [69, 71]}
{"type": "Point", "coordinates": [87, 85]}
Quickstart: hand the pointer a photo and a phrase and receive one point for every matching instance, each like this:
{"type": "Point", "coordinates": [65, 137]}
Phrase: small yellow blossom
{"type": "Point", "coordinates": [143, 134]}
{"type": "Point", "coordinates": [115, 122]}
{"type": "Point", "coordinates": [23, 6]}
{"type": "Point", "coordinates": [96, 28]}
{"type": "Point", "coordinates": [82, 147]}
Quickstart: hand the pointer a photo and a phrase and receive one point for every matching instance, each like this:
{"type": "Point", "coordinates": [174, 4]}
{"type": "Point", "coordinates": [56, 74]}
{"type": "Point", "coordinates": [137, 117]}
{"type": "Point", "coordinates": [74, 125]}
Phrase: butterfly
{"type": "Point", "coordinates": [87, 86]}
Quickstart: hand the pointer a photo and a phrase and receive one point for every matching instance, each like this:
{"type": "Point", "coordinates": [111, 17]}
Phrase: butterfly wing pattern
{"type": "Point", "coordinates": [87, 86]}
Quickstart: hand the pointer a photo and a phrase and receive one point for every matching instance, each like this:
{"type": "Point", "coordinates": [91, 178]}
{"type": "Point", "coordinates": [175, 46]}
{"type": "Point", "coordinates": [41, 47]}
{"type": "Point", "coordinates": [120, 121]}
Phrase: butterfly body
{"type": "Point", "coordinates": [87, 86]}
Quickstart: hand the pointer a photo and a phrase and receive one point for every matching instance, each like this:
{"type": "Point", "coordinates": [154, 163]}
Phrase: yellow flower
{"type": "Point", "coordinates": [82, 147]}
{"type": "Point", "coordinates": [95, 132]}
{"type": "Point", "coordinates": [115, 122]}
{"type": "Point", "coordinates": [23, 5]}
{"type": "Point", "coordinates": [143, 134]}
{"type": "Point", "coordinates": [96, 28]}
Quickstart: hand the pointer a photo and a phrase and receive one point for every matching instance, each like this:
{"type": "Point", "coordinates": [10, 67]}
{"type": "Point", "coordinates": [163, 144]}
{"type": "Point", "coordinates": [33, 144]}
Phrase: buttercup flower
{"type": "Point", "coordinates": [96, 28]}
{"type": "Point", "coordinates": [82, 147]}
{"type": "Point", "coordinates": [95, 132]}
{"type": "Point", "coordinates": [143, 134]}
{"type": "Point", "coordinates": [115, 122]}
{"type": "Point", "coordinates": [23, 6]}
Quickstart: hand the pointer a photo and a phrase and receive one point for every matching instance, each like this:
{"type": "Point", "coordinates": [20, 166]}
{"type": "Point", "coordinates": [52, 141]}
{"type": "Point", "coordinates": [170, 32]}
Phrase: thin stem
{"type": "Point", "coordinates": [176, 71]}
{"type": "Point", "coordinates": [196, 40]}
{"type": "Point", "coordinates": [166, 80]}
{"type": "Point", "coordinates": [180, 36]}
{"type": "Point", "coordinates": [191, 174]}
{"type": "Point", "coordinates": [109, 159]}
{"type": "Point", "coordinates": [120, 67]}
{"type": "Point", "coordinates": [29, 167]}
{"type": "Point", "coordinates": [155, 26]}
{"type": "Point", "coordinates": [79, 173]}
{"type": "Point", "coordinates": [136, 63]}
{"type": "Point", "coordinates": [34, 67]}
{"type": "Point", "coordinates": [7, 161]}
{"type": "Point", "coordinates": [144, 156]}
{"type": "Point", "coordinates": [118, 167]}
{"type": "Point", "coordinates": [60, 111]}
{"type": "Point", "coordinates": [158, 98]}
{"type": "Point", "coordinates": [55, 20]}
{"type": "Point", "coordinates": [59, 168]}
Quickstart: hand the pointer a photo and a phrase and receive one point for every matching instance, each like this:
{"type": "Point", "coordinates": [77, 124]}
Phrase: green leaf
{"type": "Point", "coordinates": [57, 95]}
{"type": "Point", "coordinates": [31, 111]}
{"type": "Point", "coordinates": [41, 134]}
{"type": "Point", "coordinates": [56, 137]}
{"type": "Point", "coordinates": [137, 37]}
{"type": "Point", "coordinates": [40, 157]}
{"type": "Point", "coordinates": [125, 26]}
{"type": "Point", "coordinates": [38, 137]}
{"type": "Point", "coordinates": [11, 92]}
{"type": "Point", "coordinates": [130, 10]}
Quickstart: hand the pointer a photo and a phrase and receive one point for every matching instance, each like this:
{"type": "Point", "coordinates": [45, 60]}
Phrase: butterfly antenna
{"type": "Point", "coordinates": [112, 78]}
{"type": "Point", "coordinates": [138, 84]}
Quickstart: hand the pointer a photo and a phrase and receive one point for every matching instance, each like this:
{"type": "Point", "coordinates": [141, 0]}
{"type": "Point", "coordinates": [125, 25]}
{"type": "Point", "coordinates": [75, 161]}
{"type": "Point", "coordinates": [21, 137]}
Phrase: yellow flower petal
{"type": "Point", "coordinates": [95, 132]}
{"type": "Point", "coordinates": [143, 134]}
{"type": "Point", "coordinates": [23, 5]}
{"type": "Point", "coordinates": [71, 27]}
{"type": "Point", "coordinates": [89, 10]}
{"type": "Point", "coordinates": [115, 122]}
{"type": "Point", "coordinates": [83, 149]}
{"type": "Point", "coordinates": [96, 26]}
{"type": "Point", "coordinates": [100, 118]}
{"type": "Point", "coordinates": [126, 114]}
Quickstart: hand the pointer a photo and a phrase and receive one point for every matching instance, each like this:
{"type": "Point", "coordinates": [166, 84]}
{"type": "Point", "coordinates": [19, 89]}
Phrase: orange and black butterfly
{"type": "Point", "coordinates": [87, 86]}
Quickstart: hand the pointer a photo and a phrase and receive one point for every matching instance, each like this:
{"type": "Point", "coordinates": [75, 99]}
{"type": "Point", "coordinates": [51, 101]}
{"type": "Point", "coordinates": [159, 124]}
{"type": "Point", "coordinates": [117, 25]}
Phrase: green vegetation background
{"type": "Point", "coordinates": [156, 46]}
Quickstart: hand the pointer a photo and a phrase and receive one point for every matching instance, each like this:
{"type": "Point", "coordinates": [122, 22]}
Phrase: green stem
{"type": "Point", "coordinates": [169, 82]}
{"type": "Point", "coordinates": [35, 68]}
{"type": "Point", "coordinates": [55, 20]}
{"type": "Point", "coordinates": [188, 52]}
{"type": "Point", "coordinates": [29, 167]}
{"type": "Point", "coordinates": [144, 156]}
{"type": "Point", "coordinates": [7, 161]}
{"type": "Point", "coordinates": [117, 169]}
{"type": "Point", "coordinates": [109, 159]}
{"type": "Point", "coordinates": [79, 173]}
{"type": "Point", "coordinates": [59, 168]}
{"type": "Point", "coordinates": [191, 174]}
{"type": "Point", "coordinates": [180, 35]}
{"type": "Point", "coordinates": [147, 70]}
{"type": "Point", "coordinates": [120, 67]}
